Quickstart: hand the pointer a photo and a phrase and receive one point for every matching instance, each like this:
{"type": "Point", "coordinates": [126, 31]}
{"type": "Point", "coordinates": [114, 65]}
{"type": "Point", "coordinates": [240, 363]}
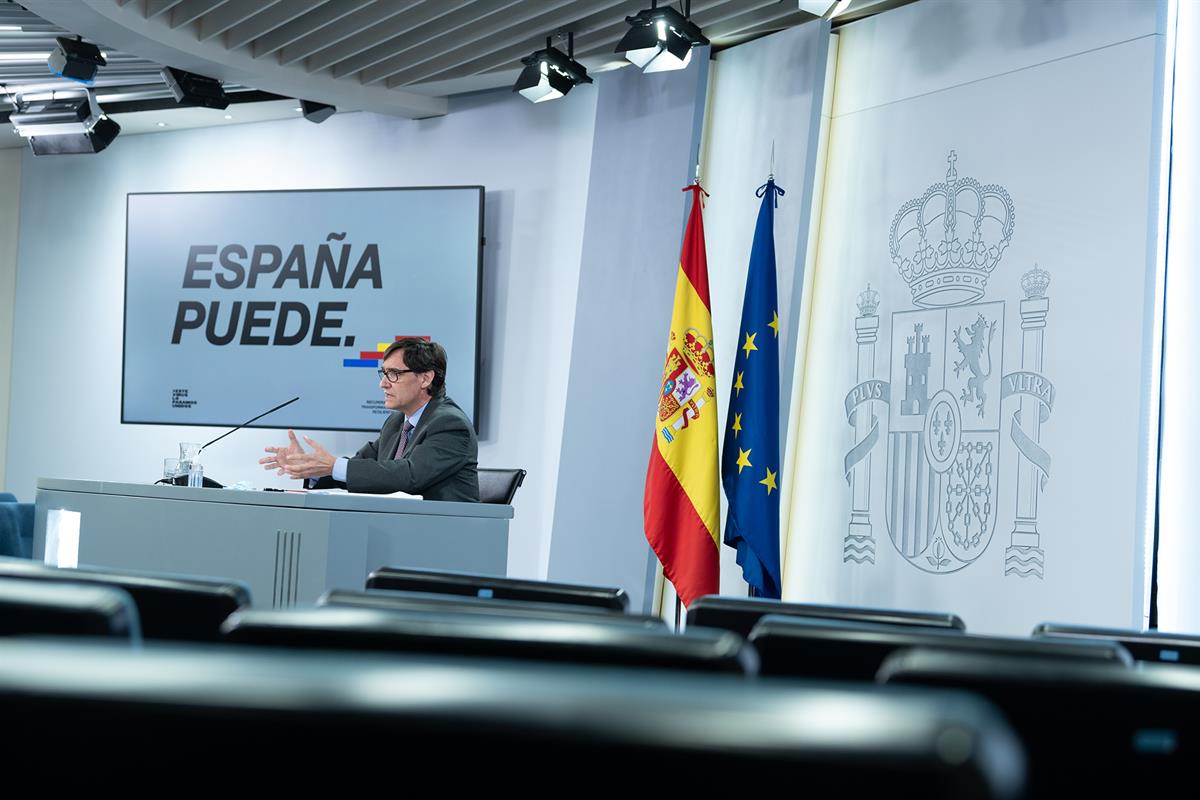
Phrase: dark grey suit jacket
{"type": "Point", "coordinates": [440, 462]}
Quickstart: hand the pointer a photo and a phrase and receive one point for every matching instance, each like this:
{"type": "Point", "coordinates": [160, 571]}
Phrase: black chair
{"type": "Point", "coordinates": [443, 633]}
{"type": "Point", "coordinates": [461, 604]}
{"type": "Point", "coordinates": [461, 583]}
{"type": "Point", "coordinates": [175, 607]}
{"type": "Point", "coordinates": [66, 609]}
{"type": "Point", "coordinates": [281, 719]}
{"type": "Point", "coordinates": [1170, 648]}
{"type": "Point", "coordinates": [499, 485]}
{"type": "Point", "coordinates": [837, 649]}
{"type": "Point", "coordinates": [739, 614]}
{"type": "Point", "coordinates": [16, 526]}
{"type": "Point", "coordinates": [1090, 730]}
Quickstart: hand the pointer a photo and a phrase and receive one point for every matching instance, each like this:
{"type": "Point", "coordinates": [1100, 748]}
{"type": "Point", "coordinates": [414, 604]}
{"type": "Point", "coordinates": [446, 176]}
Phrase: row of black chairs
{"type": "Point", "coordinates": [1085, 712]}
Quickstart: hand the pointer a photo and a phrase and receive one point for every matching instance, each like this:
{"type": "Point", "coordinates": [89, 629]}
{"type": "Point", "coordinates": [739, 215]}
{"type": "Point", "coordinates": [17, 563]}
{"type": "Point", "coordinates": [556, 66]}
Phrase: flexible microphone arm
{"type": "Point", "coordinates": [247, 422]}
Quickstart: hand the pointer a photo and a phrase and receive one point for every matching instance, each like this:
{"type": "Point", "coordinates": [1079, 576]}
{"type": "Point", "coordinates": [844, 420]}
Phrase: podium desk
{"type": "Point", "coordinates": [288, 546]}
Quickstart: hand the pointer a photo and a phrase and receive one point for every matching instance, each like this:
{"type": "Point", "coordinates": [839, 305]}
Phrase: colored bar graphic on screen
{"type": "Point", "coordinates": [368, 358]}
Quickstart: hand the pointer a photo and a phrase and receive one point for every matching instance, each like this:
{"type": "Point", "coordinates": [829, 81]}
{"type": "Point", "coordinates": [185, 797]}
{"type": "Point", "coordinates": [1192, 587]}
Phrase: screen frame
{"type": "Point", "coordinates": [475, 415]}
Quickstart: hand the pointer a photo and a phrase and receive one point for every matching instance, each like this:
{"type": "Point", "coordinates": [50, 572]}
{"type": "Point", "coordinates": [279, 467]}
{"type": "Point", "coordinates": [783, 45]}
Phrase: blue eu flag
{"type": "Point", "coordinates": [750, 460]}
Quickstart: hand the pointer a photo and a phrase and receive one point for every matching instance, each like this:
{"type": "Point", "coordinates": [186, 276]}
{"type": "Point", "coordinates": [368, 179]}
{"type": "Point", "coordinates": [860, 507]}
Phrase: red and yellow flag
{"type": "Point", "coordinates": [682, 501]}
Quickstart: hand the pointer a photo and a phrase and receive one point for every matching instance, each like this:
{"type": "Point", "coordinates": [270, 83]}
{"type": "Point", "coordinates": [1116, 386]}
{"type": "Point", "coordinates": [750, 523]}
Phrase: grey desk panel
{"type": "Point", "coordinates": [288, 546]}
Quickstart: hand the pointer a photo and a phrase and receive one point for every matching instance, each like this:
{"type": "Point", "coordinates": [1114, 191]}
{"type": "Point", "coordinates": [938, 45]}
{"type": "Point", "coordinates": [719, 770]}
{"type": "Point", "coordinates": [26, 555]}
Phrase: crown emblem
{"type": "Point", "coordinates": [1035, 282]}
{"type": "Point", "coordinates": [868, 302]}
{"type": "Point", "coordinates": [947, 242]}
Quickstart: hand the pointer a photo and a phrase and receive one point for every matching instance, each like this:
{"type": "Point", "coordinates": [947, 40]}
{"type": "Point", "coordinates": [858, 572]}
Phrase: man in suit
{"type": "Point", "coordinates": [426, 447]}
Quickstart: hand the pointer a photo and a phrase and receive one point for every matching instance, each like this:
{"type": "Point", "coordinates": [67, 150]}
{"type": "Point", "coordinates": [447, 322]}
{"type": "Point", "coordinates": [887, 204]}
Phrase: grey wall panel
{"type": "Point", "coordinates": [643, 152]}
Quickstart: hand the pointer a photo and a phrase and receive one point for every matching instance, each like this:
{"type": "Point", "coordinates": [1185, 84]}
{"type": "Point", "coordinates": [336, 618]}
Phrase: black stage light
{"type": "Point", "coordinates": [65, 125]}
{"type": "Point", "coordinates": [93, 141]}
{"type": "Point", "coordinates": [191, 89]}
{"type": "Point", "coordinates": [550, 73]}
{"type": "Point", "coordinates": [661, 39]}
{"type": "Point", "coordinates": [317, 112]}
{"type": "Point", "coordinates": [75, 59]}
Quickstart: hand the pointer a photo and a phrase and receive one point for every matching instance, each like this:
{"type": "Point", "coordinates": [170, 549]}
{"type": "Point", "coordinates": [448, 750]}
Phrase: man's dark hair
{"type": "Point", "coordinates": [422, 356]}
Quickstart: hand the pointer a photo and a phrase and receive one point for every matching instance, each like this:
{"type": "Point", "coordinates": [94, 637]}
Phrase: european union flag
{"type": "Point", "coordinates": [750, 461]}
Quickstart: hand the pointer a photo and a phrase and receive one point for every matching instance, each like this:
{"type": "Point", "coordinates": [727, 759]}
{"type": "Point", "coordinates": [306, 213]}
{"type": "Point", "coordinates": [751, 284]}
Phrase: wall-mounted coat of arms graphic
{"type": "Point", "coordinates": [951, 417]}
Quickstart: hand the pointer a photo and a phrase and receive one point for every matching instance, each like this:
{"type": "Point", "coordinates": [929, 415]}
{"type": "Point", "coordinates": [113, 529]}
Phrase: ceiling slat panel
{"type": "Point", "coordinates": [343, 29]}
{"type": "Point", "coordinates": [156, 7]}
{"type": "Point", "coordinates": [442, 26]}
{"type": "Point", "coordinates": [607, 24]}
{"type": "Point", "coordinates": [519, 41]}
{"type": "Point", "coordinates": [261, 24]}
{"type": "Point", "coordinates": [480, 30]}
{"type": "Point", "coordinates": [302, 26]}
{"type": "Point", "coordinates": [360, 44]}
{"type": "Point", "coordinates": [189, 11]}
{"type": "Point", "coordinates": [232, 13]}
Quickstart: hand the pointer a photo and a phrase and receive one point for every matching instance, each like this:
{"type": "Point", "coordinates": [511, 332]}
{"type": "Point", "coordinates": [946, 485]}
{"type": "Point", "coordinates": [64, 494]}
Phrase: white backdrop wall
{"type": "Point", "coordinates": [1179, 535]}
{"type": "Point", "coordinates": [533, 161]}
{"type": "Point", "coordinates": [10, 198]}
{"type": "Point", "coordinates": [1054, 109]}
{"type": "Point", "coordinates": [765, 102]}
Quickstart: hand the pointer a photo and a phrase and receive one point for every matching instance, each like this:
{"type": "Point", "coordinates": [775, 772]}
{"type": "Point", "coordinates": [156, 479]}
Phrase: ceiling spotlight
{"type": "Point", "coordinates": [191, 89]}
{"type": "Point", "coordinates": [65, 125]}
{"type": "Point", "coordinates": [661, 39]}
{"type": "Point", "coordinates": [316, 112]}
{"type": "Point", "coordinates": [75, 59]}
{"type": "Point", "coordinates": [550, 73]}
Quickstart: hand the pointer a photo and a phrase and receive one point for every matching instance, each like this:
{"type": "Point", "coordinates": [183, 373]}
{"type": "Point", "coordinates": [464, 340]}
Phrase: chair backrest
{"type": "Point", "coordinates": [16, 527]}
{"type": "Point", "coordinates": [1170, 648]}
{"type": "Point", "coordinates": [462, 604]}
{"type": "Point", "coordinates": [66, 609]}
{"type": "Point", "coordinates": [175, 607]}
{"type": "Point", "coordinates": [822, 648]}
{"type": "Point", "coordinates": [739, 614]}
{"type": "Point", "coordinates": [446, 633]}
{"type": "Point", "coordinates": [1089, 729]}
{"type": "Point", "coordinates": [488, 586]}
{"type": "Point", "coordinates": [499, 485]}
{"type": "Point", "coordinates": [180, 709]}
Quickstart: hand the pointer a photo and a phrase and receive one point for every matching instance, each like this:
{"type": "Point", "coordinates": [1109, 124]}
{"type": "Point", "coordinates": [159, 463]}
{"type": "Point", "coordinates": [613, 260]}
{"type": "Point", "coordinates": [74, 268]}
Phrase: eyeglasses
{"type": "Point", "coordinates": [392, 375]}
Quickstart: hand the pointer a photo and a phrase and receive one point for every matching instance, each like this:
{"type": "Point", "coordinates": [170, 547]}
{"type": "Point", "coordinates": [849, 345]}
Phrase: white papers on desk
{"type": "Point", "coordinates": [402, 495]}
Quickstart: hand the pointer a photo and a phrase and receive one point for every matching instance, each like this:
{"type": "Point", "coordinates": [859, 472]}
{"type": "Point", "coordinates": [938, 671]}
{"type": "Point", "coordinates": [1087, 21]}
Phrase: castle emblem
{"type": "Point", "coordinates": [688, 369]}
{"type": "Point", "coordinates": [947, 434]}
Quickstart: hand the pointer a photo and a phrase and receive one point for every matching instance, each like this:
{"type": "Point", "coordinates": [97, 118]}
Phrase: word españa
{"type": "Point", "coordinates": [267, 322]}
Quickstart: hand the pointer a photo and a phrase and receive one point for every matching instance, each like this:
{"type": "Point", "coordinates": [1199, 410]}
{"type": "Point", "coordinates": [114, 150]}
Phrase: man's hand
{"type": "Point", "coordinates": [280, 455]}
{"type": "Point", "coordinates": [299, 464]}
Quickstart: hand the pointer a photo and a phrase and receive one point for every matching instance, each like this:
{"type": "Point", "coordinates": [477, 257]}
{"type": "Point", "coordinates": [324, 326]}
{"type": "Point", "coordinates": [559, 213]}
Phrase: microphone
{"type": "Point", "coordinates": [247, 422]}
{"type": "Point", "coordinates": [181, 480]}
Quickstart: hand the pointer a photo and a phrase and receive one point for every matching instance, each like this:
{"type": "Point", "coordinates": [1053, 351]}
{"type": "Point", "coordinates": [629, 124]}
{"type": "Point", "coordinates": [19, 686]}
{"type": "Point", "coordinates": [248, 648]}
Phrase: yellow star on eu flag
{"type": "Point", "coordinates": [737, 384]}
{"type": "Point", "coordinates": [774, 323]}
{"type": "Point", "coordinates": [748, 345]}
{"type": "Point", "coordinates": [769, 482]}
{"type": "Point", "coordinates": [744, 460]}
{"type": "Point", "coordinates": [737, 425]}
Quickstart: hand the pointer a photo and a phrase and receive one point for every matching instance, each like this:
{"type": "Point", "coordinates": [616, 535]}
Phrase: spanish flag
{"type": "Point", "coordinates": [682, 500]}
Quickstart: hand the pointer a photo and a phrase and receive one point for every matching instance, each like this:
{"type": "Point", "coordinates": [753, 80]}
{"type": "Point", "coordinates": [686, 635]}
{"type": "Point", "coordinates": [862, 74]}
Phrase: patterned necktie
{"type": "Point", "coordinates": [404, 432]}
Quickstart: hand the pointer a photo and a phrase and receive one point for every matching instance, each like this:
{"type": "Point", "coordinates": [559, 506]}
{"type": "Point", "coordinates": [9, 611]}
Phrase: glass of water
{"type": "Point", "coordinates": [187, 454]}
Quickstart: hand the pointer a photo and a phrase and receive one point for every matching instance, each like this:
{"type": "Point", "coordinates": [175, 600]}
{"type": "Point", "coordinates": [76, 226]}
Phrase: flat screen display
{"type": "Point", "coordinates": [238, 301]}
